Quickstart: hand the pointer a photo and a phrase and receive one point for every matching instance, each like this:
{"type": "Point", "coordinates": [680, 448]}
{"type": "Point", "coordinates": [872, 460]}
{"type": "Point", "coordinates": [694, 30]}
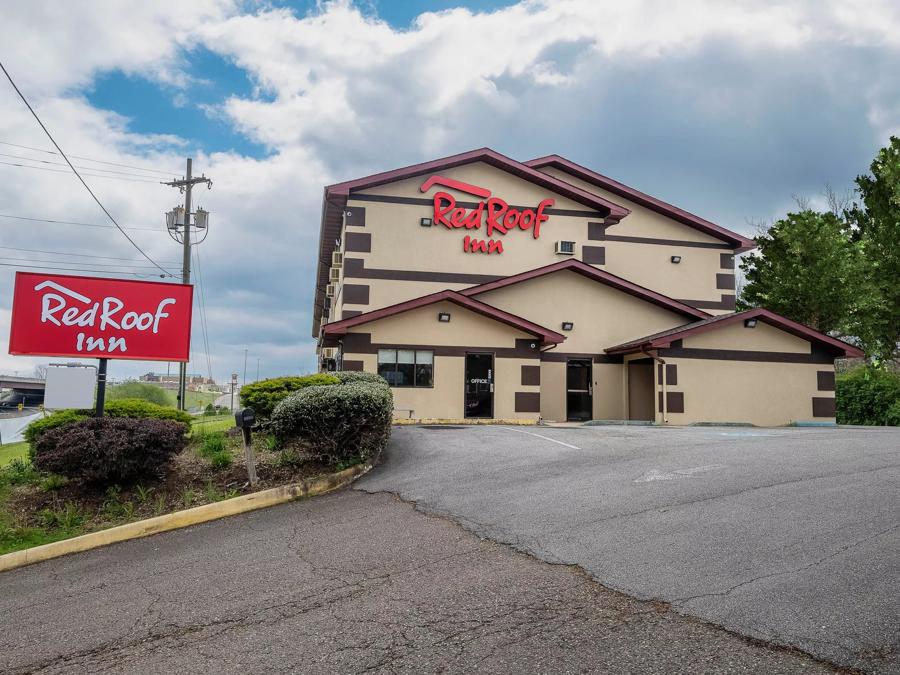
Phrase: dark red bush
{"type": "Point", "coordinates": [109, 449]}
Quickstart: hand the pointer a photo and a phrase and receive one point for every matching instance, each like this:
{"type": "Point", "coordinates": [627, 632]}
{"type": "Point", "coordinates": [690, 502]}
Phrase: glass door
{"type": "Point", "coordinates": [579, 392]}
{"type": "Point", "coordinates": [479, 385]}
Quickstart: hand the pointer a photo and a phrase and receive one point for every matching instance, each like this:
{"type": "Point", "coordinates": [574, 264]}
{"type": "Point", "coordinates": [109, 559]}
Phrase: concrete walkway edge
{"type": "Point", "coordinates": [199, 514]}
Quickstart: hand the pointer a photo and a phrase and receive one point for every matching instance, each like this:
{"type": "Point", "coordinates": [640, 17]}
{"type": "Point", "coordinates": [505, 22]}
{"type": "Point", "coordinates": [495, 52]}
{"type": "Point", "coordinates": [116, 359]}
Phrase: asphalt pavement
{"type": "Point", "coordinates": [790, 536]}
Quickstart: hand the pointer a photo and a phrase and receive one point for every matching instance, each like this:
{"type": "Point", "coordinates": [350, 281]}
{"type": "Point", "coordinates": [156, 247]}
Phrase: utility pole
{"type": "Point", "coordinates": [173, 218]}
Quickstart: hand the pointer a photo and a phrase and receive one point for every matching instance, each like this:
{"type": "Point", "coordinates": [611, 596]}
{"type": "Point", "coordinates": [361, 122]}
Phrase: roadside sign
{"type": "Point", "coordinates": [92, 317]}
{"type": "Point", "coordinates": [70, 387]}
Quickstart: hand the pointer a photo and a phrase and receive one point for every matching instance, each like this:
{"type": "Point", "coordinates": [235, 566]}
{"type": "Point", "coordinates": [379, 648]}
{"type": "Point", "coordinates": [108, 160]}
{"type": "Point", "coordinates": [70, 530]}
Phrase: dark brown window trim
{"type": "Point", "coordinates": [593, 255]}
{"type": "Point", "coordinates": [419, 201]}
{"type": "Point", "coordinates": [531, 376]}
{"type": "Point", "coordinates": [674, 401]}
{"type": "Point", "coordinates": [745, 355]}
{"type": "Point", "coordinates": [355, 216]}
{"type": "Point", "coordinates": [727, 302]}
{"type": "Point", "coordinates": [725, 281]}
{"type": "Point", "coordinates": [823, 406]}
{"type": "Point", "coordinates": [554, 356]}
{"type": "Point", "coordinates": [666, 242]}
{"type": "Point", "coordinates": [414, 385]}
{"type": "Point", "coordinates": [361, 343]}
{"type": "Point", "coordinates": [348, 313]}
{"type": "Point", "coordinates": [528, 402]}
{"type": "Point", "coordinates": [355, 268]}
{"type": "Point", "coordinates": [726, 261]}
{"type": "Point", "coordinates": [358, 242]}
{"type": "Point", "coordinates": [825, 380]}
{"type": "Point", "coordinates": [352, 365]}
{"type": "Point", "coordinates": [356, 294]}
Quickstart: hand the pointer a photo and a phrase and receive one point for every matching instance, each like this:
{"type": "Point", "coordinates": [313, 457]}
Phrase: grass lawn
{"type": "Point", "coordinates": [195, 399]}
{"type": "Point", "coordinates": [10, 452]}
{"type": "Point", "coordinates": [211, 424]}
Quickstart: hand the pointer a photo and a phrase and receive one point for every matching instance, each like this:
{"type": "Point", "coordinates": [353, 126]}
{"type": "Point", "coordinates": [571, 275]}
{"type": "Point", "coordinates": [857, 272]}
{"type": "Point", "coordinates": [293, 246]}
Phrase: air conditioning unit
{"type": "Point", "coordinates": [329, 352]}
{"type": "Point", "coordinates": [337, 259]}
{"type": "Point", "coordinates": [334, 274]}
{"type": "Point", "coordinates": [330, 290]}
{"type": "Point", "coordinates": [565, 247]}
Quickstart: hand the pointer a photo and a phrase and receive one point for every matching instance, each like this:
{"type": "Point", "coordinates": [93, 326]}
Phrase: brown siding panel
{"type": "Point", "coordinates": [355, 216]}
{"type": "Point", "coordinates": [825, 380]}
{"type": "Point", "coordinates": [348, 313]}
{"type": "Point", "coordinates": [528, 401]}
{"type": "Point", "coordinates": [352, 365]}
{"type": "Point", "coordinates": [356, 294]}
{"type": "Point", "coordinates": [725, 281]}
{"type": "Point", "coordinates": [664, 242]}
{"type": "Point", "coordinates": [726, 302]}
{"type": "Point", "coordinates": [593, 255]}
{"type": "Point", "coordinates": [358, 242]}
{"type": "Point", "coordinates": [823, 406]}
{"type": "Point", "coordinates": [671, 374]}
{"type": "Point", "coordinates": [531, 375]}
{"type": "Point", "coordinates": [596, 231]}
{"type": "Point", "coordinates": [674, 401]}
{"type": "Point", "coordinates": [726, 261]}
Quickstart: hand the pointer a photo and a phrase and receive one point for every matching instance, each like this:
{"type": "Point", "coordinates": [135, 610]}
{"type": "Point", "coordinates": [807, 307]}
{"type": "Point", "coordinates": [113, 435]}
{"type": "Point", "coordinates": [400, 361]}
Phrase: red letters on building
{"type": "Point", "coordinates": [72, 316]}
{"type": "Point", "coordinates": [496, 214]}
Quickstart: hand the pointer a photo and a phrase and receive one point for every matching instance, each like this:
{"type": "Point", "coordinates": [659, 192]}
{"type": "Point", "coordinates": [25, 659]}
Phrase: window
{"type": "Point", "coordinates": [406, 367]}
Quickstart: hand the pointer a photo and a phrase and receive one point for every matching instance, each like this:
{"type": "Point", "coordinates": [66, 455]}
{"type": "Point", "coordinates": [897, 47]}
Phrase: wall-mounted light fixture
{"type": "Point", "coordinates": [749, 323]}
{"type": "Point", "coordinates": [676, 259]}
{"type": "Point", "coordinates": [425, 222]}
{"type": "Point", "coordinates": [444, 317]}
{"type": "Point", "coordinates": [567, 325]}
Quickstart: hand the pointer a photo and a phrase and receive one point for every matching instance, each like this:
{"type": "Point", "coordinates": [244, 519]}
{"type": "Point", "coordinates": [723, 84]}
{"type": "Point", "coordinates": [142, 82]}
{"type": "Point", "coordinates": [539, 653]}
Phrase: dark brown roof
{"type": "Point", "coordinates": [336, 196]}
{"type": "Point", "coordinates": [667, 337]}
{"type": "Point", "coordinates": [546, 335]}
{"type": "Point", "coordinates": [595, 274]}
{"type": "Point", "coordinates": [740, 242]}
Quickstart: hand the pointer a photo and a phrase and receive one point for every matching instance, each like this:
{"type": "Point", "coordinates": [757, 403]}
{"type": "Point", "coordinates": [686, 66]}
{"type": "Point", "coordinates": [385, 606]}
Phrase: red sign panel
{"type": "Point", "coordinates": [63, 315]}
{"type": "Point", "coordinates": [496, 214]}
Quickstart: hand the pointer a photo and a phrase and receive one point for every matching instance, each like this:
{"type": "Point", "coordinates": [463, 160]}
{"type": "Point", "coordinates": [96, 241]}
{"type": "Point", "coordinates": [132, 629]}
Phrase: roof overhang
{"type": "Point", "coordinates": [598, 275]}
{"type": "Point", "coordinates": [546, 336]}
{"type": "Point", "coordinates": [738, 241]}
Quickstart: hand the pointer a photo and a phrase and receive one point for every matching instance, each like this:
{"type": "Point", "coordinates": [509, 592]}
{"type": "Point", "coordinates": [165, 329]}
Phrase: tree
{"type": "Point", "coordinates": [807, 268]}
{"type": "Point", "coordinates": [877, 229]}
{"type": "Point", "coordinates": [40, 371]}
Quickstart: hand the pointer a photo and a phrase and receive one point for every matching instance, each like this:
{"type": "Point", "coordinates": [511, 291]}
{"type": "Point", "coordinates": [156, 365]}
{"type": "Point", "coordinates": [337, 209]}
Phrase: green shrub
{"type": "Point", "coordinates": [221, 460]}
{"type": "Point", "coordinates": [353, 376]}
{"type": "Point", "coordinates": [867, 395]}
{"type": "Point", "coordinates": [57, 419]}
{"type": "Point", "coordinates": [893, 415]}
{"type": "Point", "coordinates": [336, 423]}
{"type": "Point", "coordinates": [140, 390]}
{"type": "Point", "coordinates": [210, 444]}
{"type": "Point", "coordinates": [109, 450]}
{"type": "Point", "coordinates": [264, 395]}
{"type": "Point", "coordinates": [18, 472]}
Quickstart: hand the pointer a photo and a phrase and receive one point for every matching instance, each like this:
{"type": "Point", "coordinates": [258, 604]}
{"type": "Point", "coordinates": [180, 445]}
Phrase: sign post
{"type": "Point", "coordinates": [244, 420]}
{"type": "Point", "coordinates": [101, 388]}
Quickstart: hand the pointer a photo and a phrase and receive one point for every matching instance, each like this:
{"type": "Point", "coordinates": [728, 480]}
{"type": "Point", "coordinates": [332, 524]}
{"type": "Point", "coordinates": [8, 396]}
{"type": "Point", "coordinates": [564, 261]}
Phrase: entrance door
{"type": "Point", "coordinates": [579, 392]}
{"type": "Point", "coordinates": [479, 385]}
{"type": "Point", "coordinates": [640, 390]}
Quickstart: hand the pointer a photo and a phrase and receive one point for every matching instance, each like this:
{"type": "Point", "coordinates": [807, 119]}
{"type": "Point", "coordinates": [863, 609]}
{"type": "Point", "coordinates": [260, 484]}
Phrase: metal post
{"type": "Point", "coordinates": [101, 388]}
{"type": "Point", "coordinates": [185, 276]}
{"type": "Point", "coordinates": [249, 457]}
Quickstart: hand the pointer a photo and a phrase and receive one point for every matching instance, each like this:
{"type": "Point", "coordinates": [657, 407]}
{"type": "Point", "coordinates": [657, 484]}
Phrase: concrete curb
{"type": "Point", "coordinates": [403, 421]}
{"type": "Point", "coordinates": [199, 514]}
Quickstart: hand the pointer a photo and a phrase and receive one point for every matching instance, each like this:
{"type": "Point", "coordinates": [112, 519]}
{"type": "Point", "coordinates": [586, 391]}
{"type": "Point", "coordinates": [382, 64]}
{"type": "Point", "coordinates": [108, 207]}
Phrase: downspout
{"type": "Point", "coordinates": [665, 403]}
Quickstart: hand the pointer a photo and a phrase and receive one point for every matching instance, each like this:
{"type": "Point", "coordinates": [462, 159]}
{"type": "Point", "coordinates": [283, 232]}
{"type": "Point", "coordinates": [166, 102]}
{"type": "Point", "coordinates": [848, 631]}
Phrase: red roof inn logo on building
{"type": "Point", "coordinates": [496, 215]}
{"type": "Point", "coordinates": [63, 315]}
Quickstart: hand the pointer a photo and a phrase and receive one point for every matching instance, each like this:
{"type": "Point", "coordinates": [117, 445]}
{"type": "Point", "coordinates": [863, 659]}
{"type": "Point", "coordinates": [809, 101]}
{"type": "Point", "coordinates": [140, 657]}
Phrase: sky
{"type": "Point", "coordinates": [729, 110]}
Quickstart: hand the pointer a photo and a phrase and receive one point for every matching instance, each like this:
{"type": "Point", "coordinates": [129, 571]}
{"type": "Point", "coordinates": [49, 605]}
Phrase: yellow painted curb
{"type": "Point", "coordinates": [173, 521]}
{"type": "Point", "coordinates": [404, 421]}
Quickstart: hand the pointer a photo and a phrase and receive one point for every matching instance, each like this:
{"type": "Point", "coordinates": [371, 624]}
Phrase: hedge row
{"type": "Point", "coordinates": [264, 395]}
{"type": "Point", "coordinates": [869, 396]}
{"type": "Point", "coordinates": [337, 423]}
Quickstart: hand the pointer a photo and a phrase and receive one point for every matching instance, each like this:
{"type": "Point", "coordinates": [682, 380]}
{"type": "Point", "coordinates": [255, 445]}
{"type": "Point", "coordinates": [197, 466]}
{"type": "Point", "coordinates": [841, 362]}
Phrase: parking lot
{"type": "Point", "coordinates": [791, 536]}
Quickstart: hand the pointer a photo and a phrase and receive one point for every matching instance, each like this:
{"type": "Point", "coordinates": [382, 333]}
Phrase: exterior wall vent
{"type": "Point", "coordinates": [337, 259]}
{"type": "Point", "coordinates": [334, 274]}
{"type": "Point", "coordinates": [565, 248]}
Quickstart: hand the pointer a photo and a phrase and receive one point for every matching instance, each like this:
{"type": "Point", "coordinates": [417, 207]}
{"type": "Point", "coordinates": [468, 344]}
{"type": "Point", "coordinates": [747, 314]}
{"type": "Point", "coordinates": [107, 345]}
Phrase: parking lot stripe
{"type": "Point", "coordinates": [546, 438]}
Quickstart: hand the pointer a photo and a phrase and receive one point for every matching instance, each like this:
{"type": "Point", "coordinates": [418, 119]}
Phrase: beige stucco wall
{"type": "Point", "coordinates": [602, 316]}
{"type": "Point", "coordinates": [607, 400]}
{"type": "Point", "coordinates": [466, 329]}
{"type": "Point", "coordinates": [553, 391]}
{"type": "Point", "coordinates": [761, 338]}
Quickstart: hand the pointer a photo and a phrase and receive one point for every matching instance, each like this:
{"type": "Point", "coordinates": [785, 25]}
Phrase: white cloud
{"type": "Point", "coordinates": [724, 108]}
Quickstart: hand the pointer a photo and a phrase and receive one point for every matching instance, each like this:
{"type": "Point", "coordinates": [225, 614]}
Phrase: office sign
{"type": "Point", "coordinates": [493, 213]}
{"type": "Point", "coordinates": [72, 316]}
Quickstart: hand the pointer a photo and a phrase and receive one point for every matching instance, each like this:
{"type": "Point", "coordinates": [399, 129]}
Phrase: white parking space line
{"type": "Point", "coordinates": [546, 438]}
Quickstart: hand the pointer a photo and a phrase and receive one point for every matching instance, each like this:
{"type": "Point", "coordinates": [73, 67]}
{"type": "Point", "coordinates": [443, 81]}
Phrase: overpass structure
{"type": "Point", "coordinates": [21, 383]}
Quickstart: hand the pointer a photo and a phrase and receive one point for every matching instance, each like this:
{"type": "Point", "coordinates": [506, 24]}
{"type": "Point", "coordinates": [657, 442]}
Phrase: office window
{"type": "Point", "coordinates": [406, 367]}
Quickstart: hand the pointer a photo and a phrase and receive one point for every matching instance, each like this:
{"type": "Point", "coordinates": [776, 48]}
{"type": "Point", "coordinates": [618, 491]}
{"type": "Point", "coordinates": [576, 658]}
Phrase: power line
{"type": "Point", "coordinates": [202, 297]}
{"type": "Point", "coordinates": [78, 255]}
{"type": "Point", "coordinates": [79, 166]}
{"type": "Point", "coordinates": [80, 269]}
{"type": "Point", "coordinates": [89, 175]}
{"type": "Point", "coordinates": [86, 186]}
{"type": "Point", "coordinates": [72, 222]}
{"type": "Point", "coordinates": [90, 159]}
{"type": "Point", "coordinates": [75, 262]}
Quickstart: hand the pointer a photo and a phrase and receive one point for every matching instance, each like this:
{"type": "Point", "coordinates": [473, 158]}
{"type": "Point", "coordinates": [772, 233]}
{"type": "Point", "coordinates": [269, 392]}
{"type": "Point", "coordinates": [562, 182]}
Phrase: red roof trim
{"type": "Point", "coordinates": [668, 337]}
{"type": "Point", "coordinates": [597, 275]}
{"type": "Point", "coordinates": [741, 242]}
{"type": "Point", "coordinates": [547, 336]}
{"type": "Point", "coordinates": [615, 212]}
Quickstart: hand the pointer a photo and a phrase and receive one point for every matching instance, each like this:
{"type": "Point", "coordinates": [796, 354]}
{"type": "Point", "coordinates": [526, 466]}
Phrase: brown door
{"type": "Point", "coordinates": [640, 390]}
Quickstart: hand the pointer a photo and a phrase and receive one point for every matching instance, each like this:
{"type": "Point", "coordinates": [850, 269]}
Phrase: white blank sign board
{"type": "Point", "coordinates": [69, 387]}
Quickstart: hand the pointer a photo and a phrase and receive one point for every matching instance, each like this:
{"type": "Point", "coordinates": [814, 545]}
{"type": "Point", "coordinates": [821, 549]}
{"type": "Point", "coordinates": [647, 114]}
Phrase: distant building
{"type": "Point", "coordinates": [195, 382]}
